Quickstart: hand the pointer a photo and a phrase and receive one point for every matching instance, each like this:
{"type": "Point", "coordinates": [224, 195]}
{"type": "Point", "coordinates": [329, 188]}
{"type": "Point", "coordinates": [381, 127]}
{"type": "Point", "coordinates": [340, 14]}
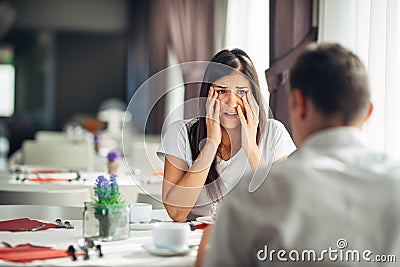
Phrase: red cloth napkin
{"type": "Point", "coordinates": [27, 253]}
{"type": "Point", "coordinates": [201, 225]}
{"type": "Point", "coordinates": [24, 223]}
{"type": "Point", "coordinates": [37, 171]}
{"type": "Point", "coordinates": [48, 180]}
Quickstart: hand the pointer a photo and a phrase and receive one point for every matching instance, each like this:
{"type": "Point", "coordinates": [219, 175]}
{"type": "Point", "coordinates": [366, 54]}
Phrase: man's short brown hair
{"type": "Point", "coordinates": [335, 79]}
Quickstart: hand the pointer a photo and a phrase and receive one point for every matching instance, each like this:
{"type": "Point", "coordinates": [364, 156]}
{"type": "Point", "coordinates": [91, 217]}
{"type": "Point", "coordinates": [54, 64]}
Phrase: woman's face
{"type": "Point", "coordinates": [232, 90]}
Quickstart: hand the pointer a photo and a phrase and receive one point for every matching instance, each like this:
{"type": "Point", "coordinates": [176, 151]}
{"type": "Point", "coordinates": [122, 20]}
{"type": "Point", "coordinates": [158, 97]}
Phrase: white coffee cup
{"type": "Point", "coordinates": [171, 235]}
{"type": "Point", "coordinates": [140, 212]}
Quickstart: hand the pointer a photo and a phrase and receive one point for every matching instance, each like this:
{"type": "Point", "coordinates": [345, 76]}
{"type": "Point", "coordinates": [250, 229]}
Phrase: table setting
{"type": "Point", "coordinates": [113, 164]}
{"type": "Point", "coordinates": [58, 181]}
{"type": "Point", "coordinates": [51, 246]}
{"type": "Point", "coordinates": [107, 232]}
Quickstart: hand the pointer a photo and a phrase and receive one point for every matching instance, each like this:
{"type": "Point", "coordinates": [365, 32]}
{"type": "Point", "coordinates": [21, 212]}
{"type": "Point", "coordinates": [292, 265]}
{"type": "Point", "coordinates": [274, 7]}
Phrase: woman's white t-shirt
{"type": "Point", "coordinates": [275, 144]}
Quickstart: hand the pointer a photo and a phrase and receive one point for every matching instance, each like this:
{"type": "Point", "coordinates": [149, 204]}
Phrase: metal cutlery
{"type": "Point", "coordinates": [71, 251]}
{"type": "Point", "coordinates": [65, 224]}
{"type": "Point", "coordinates": [85, 244]}
{"type": "Point", "coordinates": [192, 225]}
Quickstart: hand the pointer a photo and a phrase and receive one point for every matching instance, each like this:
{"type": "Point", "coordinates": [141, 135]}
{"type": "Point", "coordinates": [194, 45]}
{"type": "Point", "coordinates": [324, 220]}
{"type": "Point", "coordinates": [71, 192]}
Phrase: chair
{"type": "Point", "coordinates": [65, 154]}
{"type": "Point", "coordinates": [144, 157]}
{"type": "Point", "coordinates": [50, 136]}
{"type": "Point", "coordinates": [74, 197]}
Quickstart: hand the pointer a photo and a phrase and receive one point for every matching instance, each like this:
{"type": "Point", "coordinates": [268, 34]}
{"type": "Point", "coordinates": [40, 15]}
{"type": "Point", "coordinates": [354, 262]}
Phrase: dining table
{"type": "Point", "coordinates": [128, 252]}
{"type": "Point", "coordinates": [130, 184]}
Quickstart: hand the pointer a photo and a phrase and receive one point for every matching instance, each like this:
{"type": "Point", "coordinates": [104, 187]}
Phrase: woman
{"type": "Point", "coordinates": [231, 135]}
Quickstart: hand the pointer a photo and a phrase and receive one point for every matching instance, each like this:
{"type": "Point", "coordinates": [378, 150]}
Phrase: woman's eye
{"type": "Point", "coordinates": [221, 91]}
{"type": "Point", "coordinates": [241, 92]}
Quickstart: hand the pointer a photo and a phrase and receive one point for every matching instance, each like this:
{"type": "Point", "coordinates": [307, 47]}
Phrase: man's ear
{"type": "Point", "coordinates": [298, 104]}
{"type": "Point", "coordinates": [370, 109]}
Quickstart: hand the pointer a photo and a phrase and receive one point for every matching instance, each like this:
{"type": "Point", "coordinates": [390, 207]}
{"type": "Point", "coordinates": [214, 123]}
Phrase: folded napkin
{"type": "Point", "coordinates": [27, 253]}
{"type": "Point", "coordinates": [201, 225]}
{"type": "Point", "coordinates": [38, 171]}
{"type": "Point", "coordinates": [48, 179]}
{"type": "Point", "coordinates": [23, 223]}
{"type": "Point", "coordinates": [51, 177]}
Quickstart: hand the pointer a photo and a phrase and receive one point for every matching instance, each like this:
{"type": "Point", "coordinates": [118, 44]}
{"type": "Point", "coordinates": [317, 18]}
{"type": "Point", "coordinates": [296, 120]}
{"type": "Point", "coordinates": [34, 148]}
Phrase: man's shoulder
{"type": "Point", "coordinates": [288, 175]}
{"type": "Point", "coordinates": [307, 168]}
{"type": "Point", "coordinates": [265, 182]}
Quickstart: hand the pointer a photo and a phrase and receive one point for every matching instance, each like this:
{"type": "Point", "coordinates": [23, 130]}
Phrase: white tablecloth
{"type": "Point", "coordinates": [129, 187]}
{"type": "Point", "coordinates": [128, 252]}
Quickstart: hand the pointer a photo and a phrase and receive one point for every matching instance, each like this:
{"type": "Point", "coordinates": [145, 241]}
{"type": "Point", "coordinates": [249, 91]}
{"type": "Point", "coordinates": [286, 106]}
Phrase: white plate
{"type": "Point", "coordinates": [152, 249]}
{"type": "Point", "coordinates": [205, 219]}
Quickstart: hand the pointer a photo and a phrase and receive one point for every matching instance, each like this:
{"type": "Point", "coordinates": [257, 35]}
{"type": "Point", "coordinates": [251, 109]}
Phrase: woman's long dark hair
{"type": "Point", "coordinates": [236, 60]}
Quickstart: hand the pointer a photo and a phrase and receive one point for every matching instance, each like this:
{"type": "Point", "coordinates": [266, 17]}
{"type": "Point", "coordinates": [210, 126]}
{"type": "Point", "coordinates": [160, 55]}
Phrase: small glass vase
{"type": "Point", "coordinates": [106, 223]}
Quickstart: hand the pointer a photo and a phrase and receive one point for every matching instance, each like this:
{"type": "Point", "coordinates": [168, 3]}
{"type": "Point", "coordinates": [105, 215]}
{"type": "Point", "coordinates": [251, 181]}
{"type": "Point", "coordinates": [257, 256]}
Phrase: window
{"type": "Point", "coordinates": [7, 91]}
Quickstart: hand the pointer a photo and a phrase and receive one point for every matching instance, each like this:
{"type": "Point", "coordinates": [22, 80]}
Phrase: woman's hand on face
{"type": "Point", "coordinates": [213, 107]}
{"type": "Point", "coordinates": [249, 124]}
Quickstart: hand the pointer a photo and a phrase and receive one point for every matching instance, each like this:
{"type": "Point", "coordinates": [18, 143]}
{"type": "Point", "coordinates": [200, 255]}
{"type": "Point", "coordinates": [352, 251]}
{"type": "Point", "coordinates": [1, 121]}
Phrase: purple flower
{"type": "Point", "coordinates": [102, 182]}
{"type": "Point", "coordinates": [113, 179]}
{"type": "Point", "coordinates": [113, 182]}
{"type": "Point", "coordinates": [113, 155]}
{"type": "Point", "coordinates": [107, 191]}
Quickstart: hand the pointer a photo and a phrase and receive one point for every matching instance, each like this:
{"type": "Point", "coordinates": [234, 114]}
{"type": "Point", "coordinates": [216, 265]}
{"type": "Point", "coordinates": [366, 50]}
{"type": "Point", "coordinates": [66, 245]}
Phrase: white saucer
{"type": "Point", "coordinates": [140, 226]}
{"type": "Point", "coordinates": [152, 249]}
{"type": "Point", "coordinates": [143, 226]}
{"type": "Point", "coordinates": [205, 219]}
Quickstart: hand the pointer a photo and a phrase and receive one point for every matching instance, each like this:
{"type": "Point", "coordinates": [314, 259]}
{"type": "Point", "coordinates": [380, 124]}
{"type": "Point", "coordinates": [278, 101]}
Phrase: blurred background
{"type": "Point", "coordinates": [66, 61]}
{"type": "Point", "coordinates": [65, 58]}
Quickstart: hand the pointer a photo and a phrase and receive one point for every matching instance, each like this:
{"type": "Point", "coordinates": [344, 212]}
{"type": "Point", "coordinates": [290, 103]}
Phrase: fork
{"type": "Point", "coordinates": [192, 225]}
{"type": "Point", "coordinates": [34, 229]}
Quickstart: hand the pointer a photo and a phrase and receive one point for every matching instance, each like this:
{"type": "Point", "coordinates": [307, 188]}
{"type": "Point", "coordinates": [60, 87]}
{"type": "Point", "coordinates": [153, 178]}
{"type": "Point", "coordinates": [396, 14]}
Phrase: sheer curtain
{"type": "Point", "coordinates": [240, 24]}
{"type": "Point", "coordinates": [247, 28]}
{"type": "Point", "coordinates": [191, 35]}
{"type": "Point", "coordinates": [371, 28]}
